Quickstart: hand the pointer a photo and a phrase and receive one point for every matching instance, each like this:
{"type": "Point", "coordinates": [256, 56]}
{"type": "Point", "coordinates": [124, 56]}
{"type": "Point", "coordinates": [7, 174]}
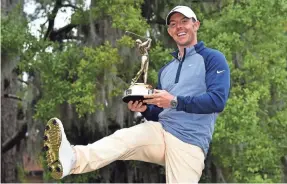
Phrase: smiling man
{"type": "Point", "coordinates": [192, 89]}
{"type": "Point", "coordinates": [181, 29]}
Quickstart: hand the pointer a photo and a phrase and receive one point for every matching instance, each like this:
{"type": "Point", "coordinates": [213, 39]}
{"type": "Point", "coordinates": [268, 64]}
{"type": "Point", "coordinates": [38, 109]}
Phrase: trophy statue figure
{"type": "Point", "coordinates": [137, 91]}
{"type": "Point", "coordinates": [143, 48]}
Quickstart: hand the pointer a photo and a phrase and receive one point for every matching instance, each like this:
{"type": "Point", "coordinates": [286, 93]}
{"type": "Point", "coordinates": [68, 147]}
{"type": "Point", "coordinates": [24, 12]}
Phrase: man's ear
{"type": "Point", "coordinates": [168, 30]}
{"type": "Point", "coordinates": [196, 25]}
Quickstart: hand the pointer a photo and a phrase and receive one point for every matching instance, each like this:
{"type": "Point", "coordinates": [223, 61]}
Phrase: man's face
{"type": "Point", "coordinates": [183, 30]}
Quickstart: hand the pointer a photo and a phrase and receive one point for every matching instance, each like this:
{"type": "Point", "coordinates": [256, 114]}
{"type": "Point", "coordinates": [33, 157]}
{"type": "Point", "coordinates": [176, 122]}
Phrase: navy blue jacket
{"type": "Point", "coordinates": [201, 82]}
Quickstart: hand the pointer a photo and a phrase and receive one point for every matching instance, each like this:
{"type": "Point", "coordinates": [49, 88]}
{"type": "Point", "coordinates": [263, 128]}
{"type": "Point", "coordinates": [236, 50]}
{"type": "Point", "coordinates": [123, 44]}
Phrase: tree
{"type": "Point", "coordinates": [249, 137]}
{"type": "Point", "coordinates": [13, 122]}
{"type": "Point", "coordinates": [82, 79]}
{"type": "Point", "coordinates": [78, 72]}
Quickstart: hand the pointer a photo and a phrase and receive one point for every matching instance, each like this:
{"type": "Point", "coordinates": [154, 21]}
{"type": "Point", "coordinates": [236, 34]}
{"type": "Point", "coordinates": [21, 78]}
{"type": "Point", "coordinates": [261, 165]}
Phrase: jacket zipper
{"type": "Point", "coordinates": [179, 67]}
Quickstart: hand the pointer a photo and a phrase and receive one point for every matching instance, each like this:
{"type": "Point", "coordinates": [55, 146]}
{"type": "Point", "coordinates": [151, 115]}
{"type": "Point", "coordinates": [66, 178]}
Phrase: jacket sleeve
{"type": "Point", "coordinates": [217, 80]}
{"type": "Point", "coordinates": [152, 111]}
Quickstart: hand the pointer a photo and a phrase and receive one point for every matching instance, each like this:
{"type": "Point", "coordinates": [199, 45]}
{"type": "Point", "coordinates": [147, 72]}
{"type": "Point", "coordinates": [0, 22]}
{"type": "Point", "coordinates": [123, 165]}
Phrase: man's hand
{"type": "Point", "coordinates": [136, 106]}
{"type": "Point", "coordinates": [161, 98]}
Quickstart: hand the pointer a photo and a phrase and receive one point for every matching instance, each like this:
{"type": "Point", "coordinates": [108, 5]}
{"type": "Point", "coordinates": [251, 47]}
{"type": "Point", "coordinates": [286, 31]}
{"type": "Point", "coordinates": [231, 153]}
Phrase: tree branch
{"type": "Point", "coordinates": [21, 80]}
{"type": "Point", "coordinates": [41, 25]}
{"type": "Point", "coordinates": [71, 37]}
{"type": "Point", "coordinates": [70, 5]}
{"type": "Point", "coordinates": [12, 97]}
{"type": "Point", "coordinates": [66, 29]}
{"type": "Point", "coordinates": [61, 34]}
{"type": "Point", "coordinates": [15, 139]}
{"type": "Point", "coordinates": [220, 176]}
{"type": "Point", "coordinates": [51, 18]}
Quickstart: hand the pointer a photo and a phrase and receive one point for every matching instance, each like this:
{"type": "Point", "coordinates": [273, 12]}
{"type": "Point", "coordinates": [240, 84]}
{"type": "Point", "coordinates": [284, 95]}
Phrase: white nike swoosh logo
{"type": "Point", "coordinates": [220, 71]}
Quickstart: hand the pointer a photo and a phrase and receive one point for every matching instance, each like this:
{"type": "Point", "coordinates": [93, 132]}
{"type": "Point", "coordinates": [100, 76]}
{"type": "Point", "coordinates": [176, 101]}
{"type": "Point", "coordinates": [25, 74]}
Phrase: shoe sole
{"type": "Point", "coordinates": [52, 142]}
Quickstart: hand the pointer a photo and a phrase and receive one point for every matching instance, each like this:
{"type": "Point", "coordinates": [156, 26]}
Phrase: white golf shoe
{"type": "Point", "coordinates": [59, 152]}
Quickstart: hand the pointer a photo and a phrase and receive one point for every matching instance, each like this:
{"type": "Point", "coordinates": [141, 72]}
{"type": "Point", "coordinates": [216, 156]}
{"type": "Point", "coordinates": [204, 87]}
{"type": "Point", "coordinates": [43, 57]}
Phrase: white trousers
{"type": "Point", "coordinates": [147, 142]}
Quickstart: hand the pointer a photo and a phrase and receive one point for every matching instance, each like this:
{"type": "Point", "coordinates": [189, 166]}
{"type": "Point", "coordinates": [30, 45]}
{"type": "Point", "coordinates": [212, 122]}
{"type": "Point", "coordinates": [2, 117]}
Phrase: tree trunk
{"type": "Point", "coordinates": [12, 157]}
{"type": "Point", "coordinates": [9, 126]}
{"type": "Point", "coordinates": [284, 168]}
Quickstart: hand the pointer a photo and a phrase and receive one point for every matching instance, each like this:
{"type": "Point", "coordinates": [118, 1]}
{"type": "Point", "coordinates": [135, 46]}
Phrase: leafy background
{"type": "Point", "coordinates": [77, 72]}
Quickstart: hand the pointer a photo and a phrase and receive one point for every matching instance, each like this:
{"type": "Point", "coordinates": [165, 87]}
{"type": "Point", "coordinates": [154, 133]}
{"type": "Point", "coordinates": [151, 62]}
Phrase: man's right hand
{"type": "Point", "coordinates": [136, 106]}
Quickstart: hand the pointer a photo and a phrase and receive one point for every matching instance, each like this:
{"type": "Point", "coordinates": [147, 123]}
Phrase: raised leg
{"type": "Point", "coordinates": [142, 142]}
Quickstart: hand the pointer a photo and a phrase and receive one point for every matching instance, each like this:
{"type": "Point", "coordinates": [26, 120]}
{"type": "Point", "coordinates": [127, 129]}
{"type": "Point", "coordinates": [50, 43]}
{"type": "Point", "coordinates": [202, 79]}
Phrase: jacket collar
{"type": "Point", "coordinates": [189, 50]}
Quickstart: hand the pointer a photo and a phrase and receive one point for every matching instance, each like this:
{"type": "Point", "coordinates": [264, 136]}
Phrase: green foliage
{"type": "Point", "coordinates": [159, 56]}
{"type": "Point", "coordinates": [91, 177]}
{"type": "Point", "coordinates": [125, 41]}
{"type": "Point", "coordinates": [76, 75]}
{"type": "Point", "coordinates": [21, 174]}
{"type": "Point", "coordinates": [14, 33]}
{"type": "Point", "coordinates": [73, 76]}
{"type": "Point", "coordinates": [250, 133]}
{"type": "Point", "coordinates": [81, 17]}
{"type": "Point", "coordinates": [128, 18]}
{"type": "Point", "coordinates": [125, 14]}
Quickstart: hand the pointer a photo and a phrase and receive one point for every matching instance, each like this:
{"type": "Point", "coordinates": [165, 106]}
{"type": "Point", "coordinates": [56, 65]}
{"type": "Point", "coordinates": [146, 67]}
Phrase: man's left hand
{"type": "Point", "coordinates": [161, 98]}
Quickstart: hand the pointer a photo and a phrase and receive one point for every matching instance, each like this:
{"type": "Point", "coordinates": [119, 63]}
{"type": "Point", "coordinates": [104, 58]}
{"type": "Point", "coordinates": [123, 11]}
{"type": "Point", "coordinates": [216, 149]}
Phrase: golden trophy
{"type": "Point", "coordinates": [137, 91]}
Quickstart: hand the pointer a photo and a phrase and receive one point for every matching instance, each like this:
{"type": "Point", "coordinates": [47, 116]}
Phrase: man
{"type": "Point", "coordinates": [192, 89]}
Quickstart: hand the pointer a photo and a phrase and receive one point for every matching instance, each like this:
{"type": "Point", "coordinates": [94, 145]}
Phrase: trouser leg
{"type": "Point", "coordinates": [184, 162]}
{"type": "Point", "coordinates": [142, 142]}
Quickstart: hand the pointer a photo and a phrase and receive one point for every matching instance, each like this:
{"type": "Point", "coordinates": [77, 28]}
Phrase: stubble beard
{"type": "Point", "coordinates": [187, 43]}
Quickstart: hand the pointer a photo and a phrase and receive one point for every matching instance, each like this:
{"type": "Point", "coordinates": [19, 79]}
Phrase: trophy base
{"type": "Point", "coordinates": [134, 98]}
{"type": "Point", "coordinates": [137, 92]}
